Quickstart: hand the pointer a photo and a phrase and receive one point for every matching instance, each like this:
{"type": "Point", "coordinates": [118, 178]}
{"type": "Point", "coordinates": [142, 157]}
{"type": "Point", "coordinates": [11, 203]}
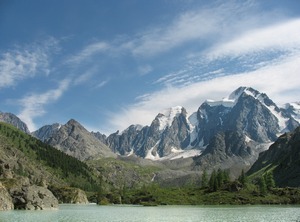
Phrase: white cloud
{"type": "Point", "coordinates": [208, 24]}
{"type": "Point", "coordinates": [144, 70]}
{"type": "Point", "coordinates": [88, 51]}
{"type": "Point", "coordinates": [33, 105]}
{"type": "Point", "coordinates": [282, 37]}
{"type": "Point", "coordinates": [21, 63]}
{"type": "Point", "coordinates": [233, 33]}
{"type": "Point", "coordinates": [275, 80]}
{"type": "Point", "coordinates": [101, 84]}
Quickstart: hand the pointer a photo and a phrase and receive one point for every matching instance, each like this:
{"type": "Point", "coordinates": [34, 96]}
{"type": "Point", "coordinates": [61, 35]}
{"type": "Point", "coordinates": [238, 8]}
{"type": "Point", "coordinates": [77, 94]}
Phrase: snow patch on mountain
{"type": "Point", "coordinates": [175, 154]}
{"type": "Point", "coordinates": [150, 155]}
{"type": "Point", "coordinates": [224, 102]}
{"type": "Point", "coordinates": [248, 139]}
{"type": "Point", "coordinates": [129, 153]}
{"type": "Point", "coordinates": [186, 154]}
{"type": "Point", "coordinates": [167, 117]}
{"type": "Point", "coordinates": [294, 109]}
{"type": "Point", "coordinates": [282, 121]}
{"type": "Point", "coordinates": [232, 99]}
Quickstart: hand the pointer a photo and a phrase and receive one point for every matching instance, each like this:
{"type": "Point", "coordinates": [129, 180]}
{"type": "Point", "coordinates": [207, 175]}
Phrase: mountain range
{"type": "Point", "coordinates": [246, 111]}
{"type": "Point", "coordinates": [229, 133]}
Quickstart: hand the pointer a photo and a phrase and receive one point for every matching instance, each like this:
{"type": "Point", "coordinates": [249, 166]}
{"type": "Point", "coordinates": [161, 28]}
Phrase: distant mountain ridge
{"type": "Point", "coordinates": [245, 110]}
{"type": "Point", "coordinates": [14, 120]}
{"type": "Point", "coordinates": [73, 139]}
{"type": "Point", "coordinates": [282, 159]}
{"type": "Point", "coordinates": [246, 113]}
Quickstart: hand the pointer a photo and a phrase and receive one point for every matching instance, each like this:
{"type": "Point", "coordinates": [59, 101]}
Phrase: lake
{"type": "Point", "coordinates": [128, 213]}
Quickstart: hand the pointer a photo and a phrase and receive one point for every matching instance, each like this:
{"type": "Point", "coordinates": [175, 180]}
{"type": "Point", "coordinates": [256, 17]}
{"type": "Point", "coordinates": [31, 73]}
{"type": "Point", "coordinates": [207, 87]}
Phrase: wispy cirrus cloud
{"type": "Point", "coordinates": [283, 36]}
{"type": "Point", "coordinates": [88, 51]}
{"type": "Point", "coordinates": [26, 62]}
{"type": "Point", "coordinates": [259, 52]}
{"type": "Point", "coordinates": [144, 70]}
{"type": "Point", "coordinates": [277, 80]}
{"type": "Point", "coordinates": [101, 84]}
{"type": "Point", "coordinates": [208, 24]}
{"type": "Point", "coordinates": [33, 105]}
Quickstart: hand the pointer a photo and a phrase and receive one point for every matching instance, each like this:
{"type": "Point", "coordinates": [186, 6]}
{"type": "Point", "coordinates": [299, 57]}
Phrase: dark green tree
{"type": "Point", "coordinates": [220, 178]}
{"type": "Point", "coordinates": [226, 176]}
{"type": "Point", "coordinates": [242, 178]}
{"type": "Point", "coordinates": [262, 186]}
{"type": "Point", "coordinates": [204, 182]}
{"type": "Point", "coordinates": [270, 183]}
{"type": "Point", "coordinates": [213, 181]}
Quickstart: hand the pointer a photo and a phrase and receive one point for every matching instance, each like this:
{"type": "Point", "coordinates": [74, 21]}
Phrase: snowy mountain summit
{"type": "Point", "coordinates": [246, 114]}
{"type": "Point", "coordinates": [166, 118]}
{"type": "Point", "coordinates": [173, 132]}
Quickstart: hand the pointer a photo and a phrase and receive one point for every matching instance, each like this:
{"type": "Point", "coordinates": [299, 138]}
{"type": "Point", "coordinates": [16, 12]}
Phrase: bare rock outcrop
{"type": "Point", "coordinates": [34, 198]}
{"type": "Point", "coordinates": [5, 199]}
{"type": "Point", "coordinates": [70, 195]}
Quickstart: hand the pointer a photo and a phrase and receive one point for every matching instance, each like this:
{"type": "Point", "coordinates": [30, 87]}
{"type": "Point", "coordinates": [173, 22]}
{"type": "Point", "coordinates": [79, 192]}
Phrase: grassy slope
{"type": "Point", "coordinates": [28, 156]}
{"type": "Point", "coordinates": [131, 183]}
{"type": "Point", "coordinates": [154, 195]}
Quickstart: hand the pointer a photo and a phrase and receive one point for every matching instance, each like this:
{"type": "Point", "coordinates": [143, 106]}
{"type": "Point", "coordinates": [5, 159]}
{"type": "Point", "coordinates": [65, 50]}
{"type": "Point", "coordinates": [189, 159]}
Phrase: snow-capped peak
{"type": "Point", "coordinates": [232, 99]}
{"type": "Point", "coordinates": [235, 95]}
{"type": "Point", "coordinates": [294, 110]}
{"type": "Point", "coordinates": [136, 127]}
{"type": "Point", "coordinates": [166, 118]}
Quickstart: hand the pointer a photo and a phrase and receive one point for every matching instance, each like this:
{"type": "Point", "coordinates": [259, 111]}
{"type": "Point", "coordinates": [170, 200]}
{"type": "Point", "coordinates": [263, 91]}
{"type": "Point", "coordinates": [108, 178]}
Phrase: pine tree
{"type": "Point", "coordinates": [242, 178]}
{"type": "Point", "coordinates": [220, 178]}
{"type": "Point", "coordinates": [204, 179]}
{"type": "Point", "coordinates": [226, 176]}
{"type": "Point", "coordinates": [213, 183]}
{"type": "Point", "coordinates": [270, 183]}
{"type": "Point", "coordinates": [262, 186]}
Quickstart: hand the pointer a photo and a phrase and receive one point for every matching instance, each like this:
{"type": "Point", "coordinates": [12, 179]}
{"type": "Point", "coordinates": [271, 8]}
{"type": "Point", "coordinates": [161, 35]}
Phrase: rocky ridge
{"type": "Point", "coordinates": [14, 120]}
{"type": "Point", "coordinates": [282, 159]}
{"type": "Point", "coordinates": [245, 110]}
{"type": "Point", "coordinates": [246, 118]}
{"type": "Point", "coordinates": [73, 139]}
{"type": "Point", "coordinates": [6, 202]}
{"type": "Point", "coordinates": [175, 134]}
{"type": "Point", "coordinates": [28, 166]}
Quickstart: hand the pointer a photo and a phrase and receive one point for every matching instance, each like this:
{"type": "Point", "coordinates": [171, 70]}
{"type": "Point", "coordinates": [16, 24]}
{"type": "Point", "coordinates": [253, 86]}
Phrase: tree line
{"type": "Point", "coordinates": [219, 178]}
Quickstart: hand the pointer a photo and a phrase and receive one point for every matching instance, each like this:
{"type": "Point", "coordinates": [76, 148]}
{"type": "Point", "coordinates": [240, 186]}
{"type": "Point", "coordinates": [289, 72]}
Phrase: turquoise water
{"type": "Point", "coordinates": [120, 213]}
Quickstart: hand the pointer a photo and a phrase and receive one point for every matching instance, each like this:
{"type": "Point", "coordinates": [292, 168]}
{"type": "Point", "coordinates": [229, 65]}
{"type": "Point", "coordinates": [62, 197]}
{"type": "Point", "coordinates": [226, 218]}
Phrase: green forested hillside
{"type": "Point", "coordinates": [25, 155]}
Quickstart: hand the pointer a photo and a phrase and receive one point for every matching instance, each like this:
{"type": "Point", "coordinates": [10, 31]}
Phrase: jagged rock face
{"type": "Point", "coordinates": [33, 198]}
{"type": "Point", "coordinates": [293, 110]}
{"type": "Point", "coordinates": [139, 144]}
{"type": "Point", "coordinates": [283, 157]}
{"type": "Point", "coordinates": [249, 112]}
{"type": "Point", "coordinates": [175, 136]}
{"type": "Point", "coordinates": [73, 139]}
{"type": "Point", "coordinates": [70, 195]}
{"type": "Point", "coordinates": [100, 137]}
{"type": "Point", "coordinates": [14, 120]}
{"type": "Point", "coordinates": [45, 132]}
{"type": "Point", "coordinates": [122, 143]}
{"type": "Point", "coordinates": [210, 122]}
{"type": "Point", "coordinates": [246, 111]}
{"type": "Point", "coordinates": [5, 199]}
{"type": "Point", "coordinates": [253, 119]}
{"type": "Point", "coordinates": [167, 132]}
{"type": "Point", "coordinates": [227, 150]}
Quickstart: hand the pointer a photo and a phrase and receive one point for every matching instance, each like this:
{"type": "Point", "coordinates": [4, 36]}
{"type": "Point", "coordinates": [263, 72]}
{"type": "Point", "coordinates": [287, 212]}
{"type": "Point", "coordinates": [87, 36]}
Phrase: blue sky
{"type": "Point", "coordinates": [112, 63]}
